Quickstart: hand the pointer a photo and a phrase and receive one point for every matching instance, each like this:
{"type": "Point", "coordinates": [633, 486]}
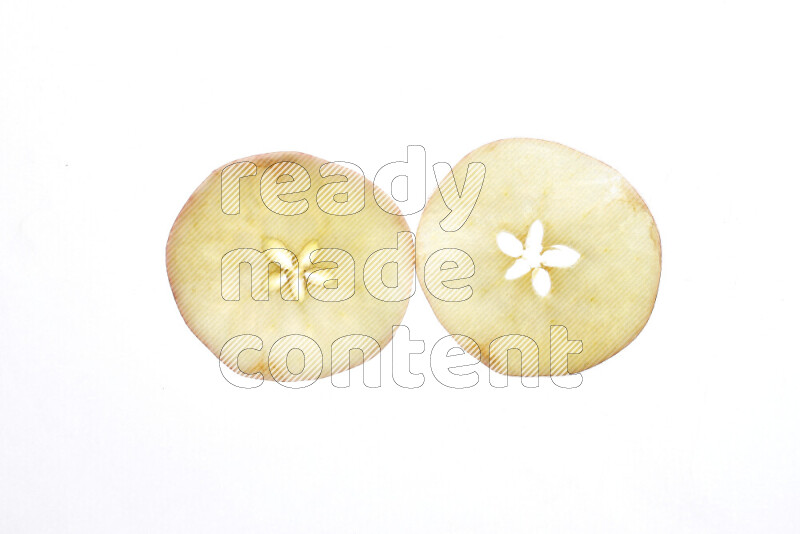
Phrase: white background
{"type": "Point", "coordinates": [114, 418]}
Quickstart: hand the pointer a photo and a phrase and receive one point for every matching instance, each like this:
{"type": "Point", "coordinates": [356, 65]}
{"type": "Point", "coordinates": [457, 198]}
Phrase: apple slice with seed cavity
{"type": "Point", "coordinates": [266, 263]}
{"type": "Point", "coordinates": [559, 252]}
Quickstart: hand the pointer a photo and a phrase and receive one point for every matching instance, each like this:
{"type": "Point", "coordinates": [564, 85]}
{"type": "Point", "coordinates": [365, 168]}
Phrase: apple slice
{"type": "Point", "coordinates": [266, 260]}
{"type": "Point", "coordinates": [561, 256]}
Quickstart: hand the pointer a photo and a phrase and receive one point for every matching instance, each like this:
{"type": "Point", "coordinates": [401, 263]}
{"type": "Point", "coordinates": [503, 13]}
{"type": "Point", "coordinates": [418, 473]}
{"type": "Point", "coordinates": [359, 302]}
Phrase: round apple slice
{"type": "Point", "coordinates": [554, 270]}
{"type": "Point", "coordinates": [267, 259]}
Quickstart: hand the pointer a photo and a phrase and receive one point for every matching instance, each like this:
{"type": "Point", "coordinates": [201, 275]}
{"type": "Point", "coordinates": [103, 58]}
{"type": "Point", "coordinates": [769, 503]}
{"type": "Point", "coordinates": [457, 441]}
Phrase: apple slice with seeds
{"type": "Point", "coordinates": [266, 262]}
